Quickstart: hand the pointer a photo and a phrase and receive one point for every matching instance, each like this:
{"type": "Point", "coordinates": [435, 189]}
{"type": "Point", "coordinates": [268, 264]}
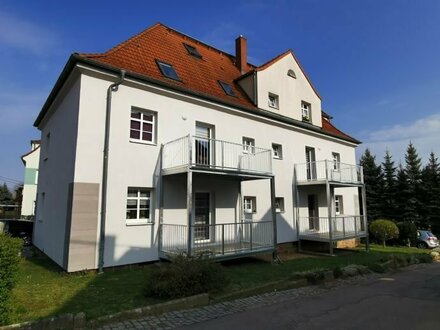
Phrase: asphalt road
{"type": "Point", "coordinates": [409, 299]}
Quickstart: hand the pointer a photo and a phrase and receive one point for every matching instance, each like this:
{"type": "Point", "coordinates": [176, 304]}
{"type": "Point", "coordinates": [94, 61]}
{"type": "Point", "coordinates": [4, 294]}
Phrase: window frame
{"type": "Point", "coordinates": [247, 146]}
{"type": "Point", "coordinates": [336, 159]}
{"type": "Point", "coordinates": [162, 71]}
{"type": "Point", "coordinates": [138, 199]}
{"type": "Point", "coordinates": [141, 121]}
{"type": "Point", "coordinates": [339, 205]}
{"type": "Point", "coordinates": [193, 51]}
{"type": "Point", "coordinates": [308, 117]}
{"type": "Point", "coordinates": [281, 208]}
{"type": "Point", "coordinates": [280, 152]}
{"type": "Point", "coordinates": [276, 101]}
{"type": "Point", "coordinates": [223, 86]}
{"type": "Point", "coordinates": [252, 201]}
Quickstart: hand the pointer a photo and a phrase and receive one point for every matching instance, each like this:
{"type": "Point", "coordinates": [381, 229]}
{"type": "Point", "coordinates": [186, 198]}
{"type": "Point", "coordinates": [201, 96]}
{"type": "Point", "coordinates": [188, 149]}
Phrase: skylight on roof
{"type": "Point", "coordinates": [192, 51]}
{"type": "Point", "coordinates": [227, 88]}
{"type": "Point", "coordinates": [167, 70]}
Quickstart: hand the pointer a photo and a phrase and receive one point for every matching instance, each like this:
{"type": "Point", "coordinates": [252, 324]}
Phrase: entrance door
{"type": "Point", "coordinates": [202, 216]}
{"type": "Point", "coordinates": [313, 212]}
{"type": "Point", "coordinates": [203, 144]}
{"type": "Point", "coordinates": [311, 163]}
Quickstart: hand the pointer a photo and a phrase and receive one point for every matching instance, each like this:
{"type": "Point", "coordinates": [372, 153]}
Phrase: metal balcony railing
{"type": "Point", "coordinates": [329, 170]}
{"type": "Point", "coordinates": [217, 240]}
{"type": "Point", "coordinates": [342, 227]}
{"type": "Point", "coordinates": [215, 154]}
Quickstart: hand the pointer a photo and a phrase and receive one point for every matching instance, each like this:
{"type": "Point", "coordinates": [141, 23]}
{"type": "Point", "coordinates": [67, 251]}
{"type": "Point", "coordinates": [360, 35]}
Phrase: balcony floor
{"type": "Point", "coordinates": [244, 174]}
{"type": "Point", "coordinates": [336, 236]}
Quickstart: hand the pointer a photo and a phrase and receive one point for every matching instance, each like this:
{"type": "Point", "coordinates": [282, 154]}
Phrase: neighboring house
{"type": "Point", "coordinates": [31, 162]}
{"type": "Point", "coordinates": [201, 152]}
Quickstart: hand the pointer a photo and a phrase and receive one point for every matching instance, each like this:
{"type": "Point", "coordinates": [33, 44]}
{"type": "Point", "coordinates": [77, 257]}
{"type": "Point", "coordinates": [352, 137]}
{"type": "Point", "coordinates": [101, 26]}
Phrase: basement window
{"type": "Point", "coordinates": [227, 88]}
{"type": "Point", "coordinates": [192, 51]}
{"type": "Point", "coordinates": [168, 70]}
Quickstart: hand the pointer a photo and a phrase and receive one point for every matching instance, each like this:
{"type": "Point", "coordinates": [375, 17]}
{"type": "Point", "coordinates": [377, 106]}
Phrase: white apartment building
{"type": "Point", "coordinates": [31, 162]}
{"type": "Point", "coordinates": [165, 144]}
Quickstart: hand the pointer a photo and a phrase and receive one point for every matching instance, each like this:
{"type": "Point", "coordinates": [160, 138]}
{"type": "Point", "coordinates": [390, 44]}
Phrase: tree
{"type": "Point", "coordinates": [373, 179]}
{"type": "Point", "coordinates": [388, 209]}
{"type": "Point", "coordinates": [431, 192]}
{"type": "Point", "coordinates": [5, 195]}
{"type": "Point", "coordinates": [413, 171]}
{"type": "Point", "coordinates": [402, 192]}
{"type": "Point", "coordinates": [384, 230]}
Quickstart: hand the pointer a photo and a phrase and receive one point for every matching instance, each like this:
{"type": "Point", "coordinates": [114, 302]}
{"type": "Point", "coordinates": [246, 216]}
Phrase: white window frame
{"type": "Point", "coordinates": [306, 111]}
{"type": "Point", "coordinates": [249, 204]}
{"type": "Point", "coordinates": [248, 145]}
{"type": "Point", "coordinates": [273, 101]}
{"type": "Point", "coordinates": [138, 199]}
{"type": "Point", "coordinates": [141, 122]}
{"type": "Point", "coordinates": [279, 204]}
{"type": "Point", "coordinates": [336, 161]}
{"type": "Point", "coordinates": [339, 205]}
{"type": "Point", "coordinates": [277, 154]}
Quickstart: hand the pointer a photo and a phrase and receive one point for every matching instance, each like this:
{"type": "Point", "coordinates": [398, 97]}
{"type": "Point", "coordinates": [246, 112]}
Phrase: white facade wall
{"type": "Point", "coordinates": [57, 163]}
{"type": "Point", "coordinates": [136, 164]}
{"type": "Point", "coordinates": [31, 161]}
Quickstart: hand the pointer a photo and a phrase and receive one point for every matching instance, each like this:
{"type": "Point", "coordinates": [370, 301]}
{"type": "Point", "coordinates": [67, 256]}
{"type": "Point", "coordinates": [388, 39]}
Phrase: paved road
{"type": "Point", "coordinates": [406, 300]}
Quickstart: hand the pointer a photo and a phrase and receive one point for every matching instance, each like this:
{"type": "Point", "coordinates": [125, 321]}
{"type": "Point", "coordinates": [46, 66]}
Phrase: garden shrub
{"type": "Point", "coordinates": [384, 230]}
{"type": "Point", "coordinates": [377, 268]}
{"type": "Point", "coordinates": [312, 276]}
{"type": "Point", "coordinates": [424, 258]}
{"type": "Point", "coordinates": [186, 276]}
{"type": "Point", "coordinates": [407, 233]}
{"type": "Point", "coordinates": [10, 249]}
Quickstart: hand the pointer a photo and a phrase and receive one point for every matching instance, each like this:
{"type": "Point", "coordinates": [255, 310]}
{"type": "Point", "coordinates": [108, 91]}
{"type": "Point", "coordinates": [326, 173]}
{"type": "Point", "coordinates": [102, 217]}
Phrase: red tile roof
{"type": "Point", "coordinates": [138, 55]}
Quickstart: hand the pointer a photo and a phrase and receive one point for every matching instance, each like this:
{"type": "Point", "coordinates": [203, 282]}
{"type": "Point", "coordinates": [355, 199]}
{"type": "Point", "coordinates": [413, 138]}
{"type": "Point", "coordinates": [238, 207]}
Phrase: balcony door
{"type": "Point", "coordinates": [312, 201]}
{"type": "Point", "coordinates": [204, 144]}
{"type": "Point", "coordinates": [310, 163]}
{"type": "Point", "coordinates": [202, 216]}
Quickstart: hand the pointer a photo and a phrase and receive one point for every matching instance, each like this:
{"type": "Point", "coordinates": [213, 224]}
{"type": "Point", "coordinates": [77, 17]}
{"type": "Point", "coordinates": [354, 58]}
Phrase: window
{"type": "Point", "coordinates": [273, 101]}
{"type": "Point", "coordinates": [249, 204]}
{"type": "Point", "coordinates": [227, 88]}
{"type": "Point", "coordinates": [277, 151]}
{"type": "Point", "coordinates": [339, 209]}
{"type": "Point", "coordinates": [248, 145]}
{"type": "Point", "coordinates": [192, 51]}
{"type": "Point", "coordinates": [138, 205]}
{"type": "Point", "coordinates": [336, 161]}
{"type": "Point", "coordinates": [291, 73]}
{"type": "Point", "coordinates": [279, 204]}
{"type": "Point", "coordinates": [306, 111]}
{"type": "Point", "coordinates": [143, 125]}
{"type": "Point", "coordinates": [167, 70]}
{"type": "Point", "coordinates": [36, 177]}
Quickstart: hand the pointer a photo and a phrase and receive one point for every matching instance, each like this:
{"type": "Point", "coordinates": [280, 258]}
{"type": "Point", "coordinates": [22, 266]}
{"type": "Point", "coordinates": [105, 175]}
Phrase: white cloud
{"type": "Point", "coordinates": [424, 133]}
{"type": "Point", "coordinates": [23, 35]}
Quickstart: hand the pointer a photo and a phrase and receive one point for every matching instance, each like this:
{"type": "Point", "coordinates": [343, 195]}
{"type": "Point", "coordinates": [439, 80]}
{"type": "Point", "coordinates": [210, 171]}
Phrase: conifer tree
{"type": "Point", "coordinates": [373, 179]}
{"type": "Point", "coordinates": [413, 172]}
{"type": "Point", "coordinates": [401, 195]}
{"type": "Point", "coordinates": [388, 209]}
{"type": "Point", "coordinates": [431, 192]}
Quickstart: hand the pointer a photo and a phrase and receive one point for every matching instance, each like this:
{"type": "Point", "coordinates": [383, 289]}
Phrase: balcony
{"type": "Point", "coordinates": [214, 155]}
{"type": "Point", "coordinates": [328, 171]}
{"type": "Point", "coordinates": [342, 227]}
{"type": "Point", "coordinates": [219, 241]}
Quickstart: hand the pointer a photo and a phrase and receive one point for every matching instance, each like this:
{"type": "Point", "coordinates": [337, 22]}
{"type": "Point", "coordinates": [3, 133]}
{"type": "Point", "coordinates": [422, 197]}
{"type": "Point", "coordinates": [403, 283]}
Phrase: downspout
{"type": "Point", "coordinates": [112, 88]}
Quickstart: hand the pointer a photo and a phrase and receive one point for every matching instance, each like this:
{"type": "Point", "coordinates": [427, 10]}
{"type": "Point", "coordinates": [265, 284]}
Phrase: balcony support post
{"type": "Point", "coordinates": [161, 198]}
{"type": "Point", "coordinates": [274, 216]}
{"type": "Point", "coordinates": [189, 208]}
{"type": "Point", "coordinates": [240, 219]}
{"type": "Point", "coordinates": [364, 215]}
{"type": "Point", "coordinates": [329, 210]}
{"type": "Point", "coordinates": [296, 213]}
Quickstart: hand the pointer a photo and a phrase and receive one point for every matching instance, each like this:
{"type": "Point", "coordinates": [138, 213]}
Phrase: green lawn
{"type": "Point", "coordinates": [43, 290]}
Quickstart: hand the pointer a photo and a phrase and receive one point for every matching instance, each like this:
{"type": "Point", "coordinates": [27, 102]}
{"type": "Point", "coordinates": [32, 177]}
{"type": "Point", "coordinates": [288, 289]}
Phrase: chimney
{"type": "Point", "coordinates": [241, 53]}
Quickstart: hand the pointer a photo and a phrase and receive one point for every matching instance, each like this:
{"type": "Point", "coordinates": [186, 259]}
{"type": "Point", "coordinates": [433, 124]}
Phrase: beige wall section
{"type": "Point", "coordinates": [82, 238]}
{"type": "Point", "coordinates": [291, 91]}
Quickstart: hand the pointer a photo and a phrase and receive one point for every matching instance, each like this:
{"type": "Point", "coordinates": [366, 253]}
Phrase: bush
{"type": "Point", "coordinates": [10, 249]}
{"type": "Point", "coordinates": [312, 276]}
{"type": "Point", "coordinates": [384, 230]}
{"type": "Point", "coordinates": [407, 233]}
{"type": "Point", "coordinates": [186, 276]}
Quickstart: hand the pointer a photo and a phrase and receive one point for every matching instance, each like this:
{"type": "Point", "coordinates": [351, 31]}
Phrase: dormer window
{"type": "Point", "coordinates": [192, 51]}
{"type": "Point", "coordinates": [273, 101]}
{"type": "Point", "coordinates": [306, 109]}
{"type": "Point", "coordinates": [168, 70]}
{"type": "Point", "coordinates": [291, 73]}
{"type": "Point", "coordinates": [227, 88]}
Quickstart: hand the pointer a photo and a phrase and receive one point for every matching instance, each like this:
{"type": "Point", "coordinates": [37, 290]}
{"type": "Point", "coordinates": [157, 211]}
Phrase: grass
{"type": "Point", "coordinates": [43, 290]}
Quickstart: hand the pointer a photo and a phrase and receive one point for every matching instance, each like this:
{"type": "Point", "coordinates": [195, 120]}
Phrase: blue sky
{"type": "Point", "coordinates": [376, 64]}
